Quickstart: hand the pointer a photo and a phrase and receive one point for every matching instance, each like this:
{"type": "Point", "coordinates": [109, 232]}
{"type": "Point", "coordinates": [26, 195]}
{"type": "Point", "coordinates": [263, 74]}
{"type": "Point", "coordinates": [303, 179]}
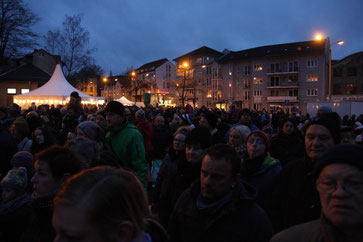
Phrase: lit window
{"type": "Point", "coordinates": [11, 90]}
{"type": "Point", "coordinates": [257, 67]}
{"type": "Point", "coordinates": [312, 78]}
{"type": "Point", "coordinates": [257, 80]}
{"type": "Point", "coordinates": [24, 90]}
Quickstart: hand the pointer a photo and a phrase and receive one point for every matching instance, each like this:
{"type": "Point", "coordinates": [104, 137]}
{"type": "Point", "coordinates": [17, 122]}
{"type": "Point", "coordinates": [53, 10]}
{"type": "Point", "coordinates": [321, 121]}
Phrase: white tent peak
{"type": "Point", "coordinates": [57, 86]}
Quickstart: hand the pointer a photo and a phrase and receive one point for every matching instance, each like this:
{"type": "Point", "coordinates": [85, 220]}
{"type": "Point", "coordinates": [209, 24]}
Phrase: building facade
{"type": "Point", "coordinates": [157, 79]}
{"type": "Point", "coordinates": [286, 76]}
{"type": "Point", "coordinates": [347, 78]}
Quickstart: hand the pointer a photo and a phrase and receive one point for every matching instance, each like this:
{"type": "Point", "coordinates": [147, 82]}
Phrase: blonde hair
{"type": "Point", "coordinates": [243, 131]}
{"type": "Point", "coordinates": [110, 196]}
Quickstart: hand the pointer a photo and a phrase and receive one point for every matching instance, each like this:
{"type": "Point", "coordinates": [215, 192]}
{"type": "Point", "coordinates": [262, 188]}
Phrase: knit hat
{"type": "Point", "coordinates": [263, 135]}
{"type": "Point", "coordinates": [140, 113]}
{"type": "Point", "coordinates": [75, 94]}
{"type": "Point", "coordinates": [16, 179]}
{"type": "Point", "coordinates": [212, 118]}
{"type": "Point", "coordinates": [331, 121]}
{"type": "Point", "coordinates": [92, 130]}
{"type": "Point", "coordinates": [24, 159]}
{"type": "Point", "coordinates": [350, 154]}
{"type": "Point", "coordinates": [20, 120]}
{"type": "Point", "coordinates": [246, 111]}
{"type": "Point", "coordinates": [115, 107]}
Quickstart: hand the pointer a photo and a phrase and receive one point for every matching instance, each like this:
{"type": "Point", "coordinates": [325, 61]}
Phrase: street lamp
{"type": "Point", "coordinates": [339, 42]}
{"type": "Point", "coordinates": [108, 88]}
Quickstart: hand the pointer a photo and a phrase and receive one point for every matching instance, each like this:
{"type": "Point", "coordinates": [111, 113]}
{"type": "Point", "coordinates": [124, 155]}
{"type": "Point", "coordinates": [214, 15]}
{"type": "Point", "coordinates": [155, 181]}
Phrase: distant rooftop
{"type": "Point", "coordinates": [296, 48]}
{"type": "Point", "coordinates": [151, 65]}
{"type": "Point", "coordinates": [202, 51]}
{"type": "Point", "coordinates": [27, 72]}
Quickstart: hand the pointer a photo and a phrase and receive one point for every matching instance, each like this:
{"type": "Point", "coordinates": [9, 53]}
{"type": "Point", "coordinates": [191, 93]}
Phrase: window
{"type": "Point", "coordinates": [312, 78]}
{"type": "Point", "coordinates": [257, 67]}
{"type": "Point", "coordinates": [351, 88]}
{"type": "Point", "coordinates": [209, 94]}
{"type": "Point", "coordinates": [199, 92]}
{"type": "Point", "coordinates": [247, 70]}
{"type": "Point", "coordinates": [312, 63]}
{"type": "Point", "coordinates": [257, 80]}
{"type": "Point", "coordinates": [257, 93]}
{"type": "Point", "coordinates": [247, 96]}
{"type": "Point", "coordinates": [293, 93]}
{"type": "Point", "coordinates": [274, 93]}
{"type": "Point", "coordinates": [91, 89]}
{"type": "Point", "coordinates": [292, 78]}
{"type": "Point", "coordinates": [199, 61]}
{"type": "Point", "coordinates": [293, 66]}
{"type": "Point", "coordinates": [208, 82]}
{"type": "Point", "coordinates": [338, 88]}
{"type": "Point", "coordinates": [257, 106]}
{"type": "Point", "coordinates": [168, 85]}
{"type": "Point", "coordinates": [24, 90]}
{"type": "Point", "coordinates": [247, 82]}
{"type": "Point", "coordinates": [11, 90]}
{"type": "Point", "coordinates": [352, 71]}
{"type": "Point", "coordinates": [85, 89]}
{"type": "Point", "coordinates": [275, 67]}
{"type": "Point", "coordinates": [312, 92]}
{"type": "Point", "coordinates": [274, 81]}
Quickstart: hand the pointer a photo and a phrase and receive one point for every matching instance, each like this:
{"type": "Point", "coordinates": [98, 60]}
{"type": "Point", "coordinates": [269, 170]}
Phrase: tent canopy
{"type": "Point", "coordinates": [56, 90]}
{"type": "Point", "coordinates": [125, 101]}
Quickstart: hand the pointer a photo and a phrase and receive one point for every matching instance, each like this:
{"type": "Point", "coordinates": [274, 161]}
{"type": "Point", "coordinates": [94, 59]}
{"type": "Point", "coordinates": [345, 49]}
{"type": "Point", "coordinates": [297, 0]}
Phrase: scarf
{"type": "Point", "coordinates": [14, 204]}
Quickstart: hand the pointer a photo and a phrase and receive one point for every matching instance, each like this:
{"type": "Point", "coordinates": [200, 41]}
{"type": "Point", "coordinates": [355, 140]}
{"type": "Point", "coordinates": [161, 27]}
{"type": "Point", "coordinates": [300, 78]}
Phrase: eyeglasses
{"type": "Point", "coordinates": [351, 187]}
{"type": "Point", "coordinates": [258, 141]}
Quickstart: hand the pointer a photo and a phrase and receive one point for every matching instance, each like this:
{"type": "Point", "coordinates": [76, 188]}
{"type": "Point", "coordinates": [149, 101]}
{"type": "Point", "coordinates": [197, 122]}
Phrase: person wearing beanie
{"type": "Point", "coordinates": [260, 169]}
{"type": "Point", "coordinates": [298, 200]}
{"type": "Point", "coordinates": [92, 131]}
{"type": "Point", "coordinates": [338, 178]}
{"type": "Point", "coordinates": [126, 141]}
{"type": "Point", "coordinates": [24, 159]}
{"type": "Point", "coordinates": [14, 209]}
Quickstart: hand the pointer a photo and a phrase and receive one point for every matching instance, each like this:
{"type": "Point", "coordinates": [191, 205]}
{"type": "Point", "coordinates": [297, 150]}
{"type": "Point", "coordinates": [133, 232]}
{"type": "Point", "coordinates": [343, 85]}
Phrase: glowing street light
{"type": "Point", "coordinates": [318, 37]}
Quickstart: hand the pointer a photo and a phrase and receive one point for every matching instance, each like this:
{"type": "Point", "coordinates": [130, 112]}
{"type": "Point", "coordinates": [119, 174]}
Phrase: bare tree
{"type": "Point", "coordinates": [72, 43]}
{"type": "Point", "coordinates": [16, 36]}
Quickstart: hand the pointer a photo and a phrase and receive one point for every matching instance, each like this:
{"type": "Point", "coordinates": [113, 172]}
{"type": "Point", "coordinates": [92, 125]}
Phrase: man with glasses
{"type": "Point", "coordinates": [339, 180]}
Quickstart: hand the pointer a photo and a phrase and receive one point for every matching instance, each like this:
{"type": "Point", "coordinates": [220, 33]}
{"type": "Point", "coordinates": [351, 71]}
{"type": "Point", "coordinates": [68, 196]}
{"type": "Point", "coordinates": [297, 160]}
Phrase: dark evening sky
{"type": "Point", "coordinates": [134, 32]}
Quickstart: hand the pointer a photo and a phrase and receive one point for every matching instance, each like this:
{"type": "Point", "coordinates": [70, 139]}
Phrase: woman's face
{"type": "Point", "coordinates": [288, 128]}
{"type": "Point", "coordinates": [71, 224]}
{"type": "Point", "coordinates": [256, 146]}
{"type": "Point", "coordinates": [194, 153]}
{"type": "Point", "coordinates": [43, 180]}
{"type": "Point", "coordinates": [235, 140]}
{"type": "Point", "coordinates": [39, 136]}
{"type": "Point", "coordinates": [179, 142]}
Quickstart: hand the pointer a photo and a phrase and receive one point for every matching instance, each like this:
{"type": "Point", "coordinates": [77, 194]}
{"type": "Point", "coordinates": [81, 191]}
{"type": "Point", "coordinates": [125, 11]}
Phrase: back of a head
{"type": "Point", "coordinates": [61, 160]}
{"type": "Point", "coordinates": [212, 119]}
{"type": "Point", "coordinates": [227, 153]}
{"type": "Point", "coordinates": [109, 196]}
{"type": "Point", "coordinates": [200, 136]}
{"type": "Point", "coordinates": [87, 151]}
{"type": "Point", "coordinates": [242, 130]}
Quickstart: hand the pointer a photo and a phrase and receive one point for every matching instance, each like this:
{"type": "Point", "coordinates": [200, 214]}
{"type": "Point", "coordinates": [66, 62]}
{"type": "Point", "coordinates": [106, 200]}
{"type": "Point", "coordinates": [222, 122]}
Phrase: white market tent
{"type": "Point", "coordinates": [56, 91]}
{"type": "Point", "coordinates": [125, 101]}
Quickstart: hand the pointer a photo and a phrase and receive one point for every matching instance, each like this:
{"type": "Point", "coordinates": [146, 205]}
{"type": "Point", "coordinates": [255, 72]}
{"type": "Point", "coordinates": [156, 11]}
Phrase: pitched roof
{"type": "Point", "coordinates": [152, 65]}
{"type": "Point", "coordinates": [297, 48]}
{"type": "Point", "coordinates": [58, 57]}
{"type": "Point", "coordinates": [202, 51]}
{"type": "Point", "coordinates": [27, 72]}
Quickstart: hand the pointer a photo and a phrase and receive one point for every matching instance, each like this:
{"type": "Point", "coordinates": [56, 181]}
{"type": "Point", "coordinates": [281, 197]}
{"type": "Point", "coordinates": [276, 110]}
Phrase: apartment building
{"type": "Point", "coordinates": [199, 78]}
{"type": "Point", "coordinates": [347, 78]}
{"type": "Point", "coordinates": [159, 77]}
{"type": "Point", "coordinates": [277, 76]}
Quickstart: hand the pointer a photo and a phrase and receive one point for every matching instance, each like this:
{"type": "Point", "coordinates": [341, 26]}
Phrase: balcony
{"type": "Point", "coordinates": [283, 71]}
{"type": "Point", "coordinates": [282, 99]}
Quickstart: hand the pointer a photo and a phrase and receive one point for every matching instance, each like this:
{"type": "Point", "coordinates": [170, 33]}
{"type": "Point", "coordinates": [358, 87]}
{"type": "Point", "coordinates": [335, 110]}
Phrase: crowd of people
{"type": "Point", "coordinates": [116, 173]}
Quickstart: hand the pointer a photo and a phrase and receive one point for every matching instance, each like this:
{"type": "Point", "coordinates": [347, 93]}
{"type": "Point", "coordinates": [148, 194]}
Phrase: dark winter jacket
{"type": "Point", "coordinates": [320, 230]}
{"type": "Point", "coordinates": [176, 175]}
{"type": "Point", "coordinates": [287, 147]}
{"type": "Point", "coordinates": [264, 179]}
{"type": "Point", "coordinates": [238, 219]}
{"type": "Point", "coordinates": [296, 200]}
{"type": "Point", "coordinates": [13, 218]}
{"type": "Point", "coordinates": [161, 140]}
